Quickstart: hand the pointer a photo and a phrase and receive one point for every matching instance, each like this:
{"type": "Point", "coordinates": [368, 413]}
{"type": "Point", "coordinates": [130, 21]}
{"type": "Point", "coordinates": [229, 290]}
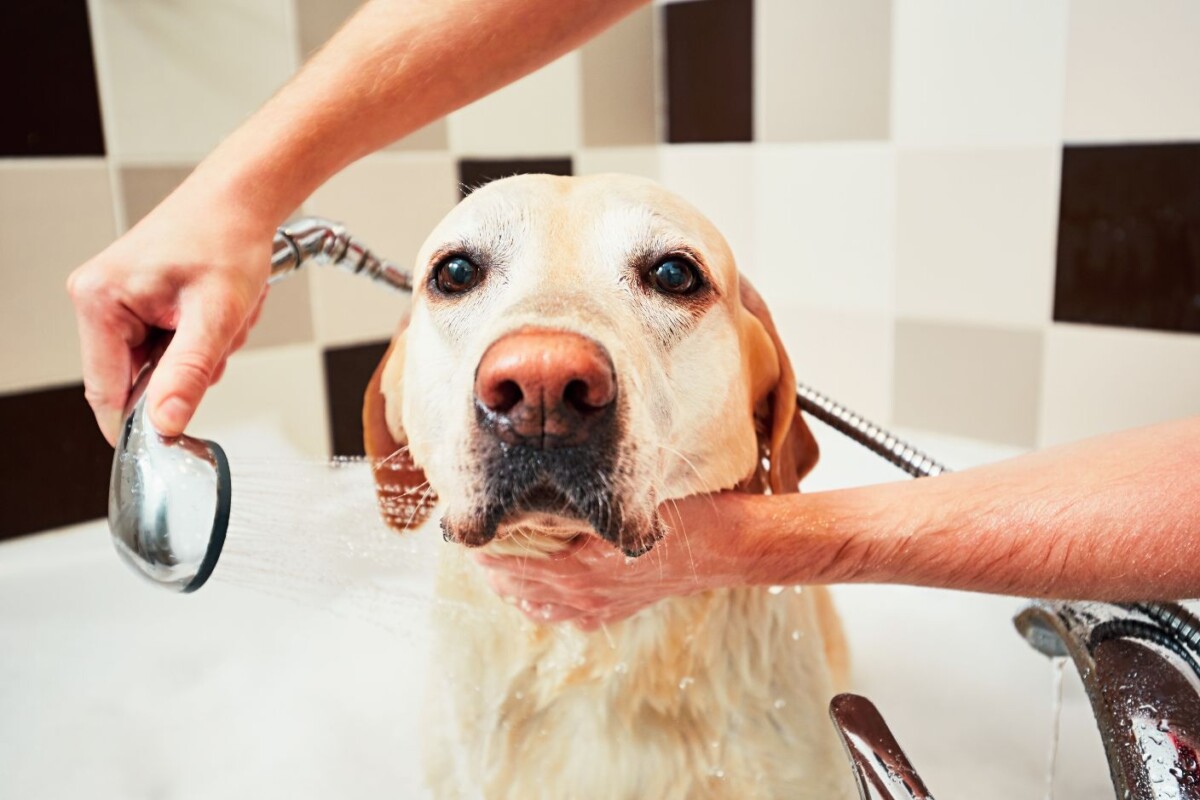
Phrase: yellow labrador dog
{"type": "Point", "coordinates": [581, 350]}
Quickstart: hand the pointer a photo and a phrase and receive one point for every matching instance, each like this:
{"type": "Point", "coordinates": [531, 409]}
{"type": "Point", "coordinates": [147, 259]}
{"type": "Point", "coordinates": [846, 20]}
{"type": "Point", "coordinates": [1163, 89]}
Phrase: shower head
{"type": "Point", "coordinates": [168, 500]}
{"type": "Point", "coordinates": [169, 496]}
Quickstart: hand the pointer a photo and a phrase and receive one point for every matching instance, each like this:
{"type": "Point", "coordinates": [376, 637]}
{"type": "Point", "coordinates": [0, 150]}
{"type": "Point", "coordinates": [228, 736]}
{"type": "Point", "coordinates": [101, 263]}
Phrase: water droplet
{"type": "Point", "coordinates": [780, 703]}
{"type": "Point", "coordinates": [775, 590]}
{"type": "Point", "coordinates": [797, 589]}
{"type": "Point", "coordinates": [685, 682]}
{"type": "Point", "coordinates": [796, 635]}
{"type": "Point", "coordinates": [717, 773]}
{"type": "Point", "coordinates": [621, 668]}
{"type": "Point", "coordinates": [519, 695]}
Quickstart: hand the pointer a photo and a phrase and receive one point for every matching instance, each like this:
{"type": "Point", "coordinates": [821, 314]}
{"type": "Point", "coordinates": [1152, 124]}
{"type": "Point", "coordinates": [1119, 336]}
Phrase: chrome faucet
{"type": "Point", "coordinates": [1139, 664]}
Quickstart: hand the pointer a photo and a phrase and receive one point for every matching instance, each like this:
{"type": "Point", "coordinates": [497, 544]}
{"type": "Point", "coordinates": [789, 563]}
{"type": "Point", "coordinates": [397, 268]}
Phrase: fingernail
{"type": "Point", "coordinates": [172, 415]}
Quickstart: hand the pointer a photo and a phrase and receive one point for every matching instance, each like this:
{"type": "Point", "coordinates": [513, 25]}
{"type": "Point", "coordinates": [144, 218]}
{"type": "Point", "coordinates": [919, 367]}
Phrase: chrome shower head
{"type": "Point", "coordinates": [168, 500]}
{"type": "Point", "coordinates": [169, 496]}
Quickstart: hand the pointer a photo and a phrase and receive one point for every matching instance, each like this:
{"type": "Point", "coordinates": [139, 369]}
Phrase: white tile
{"type": "Point", "coordinates": [177, 77]}
{"type": "Point", "coordinates": [845, 356]}
{"type": "Point", "coordinates": [719, 181]}
{"type": "Point", "coordinates": [1097, 380]}
{"type": "Point", "coordinates": [391, 201]}
{"type": "Point", "coordinates": [276, 391]}
{"type": "Point", "coordinates": [1133, 71]}
{"type": "Point", "coordinates": [979, 72]}
{"type": "Point", "coordinates": [643, 161]}
{"type": "Point", "coordinates": [824, 217]}
{"type": "Point", "coordinates": [54, 215]}
{"type": "Point", "coordinates": [539, 115]}
{"type": "Point", "coordinates": [822, 70]}
{"type": "Point", "coordinates": [975, 234]}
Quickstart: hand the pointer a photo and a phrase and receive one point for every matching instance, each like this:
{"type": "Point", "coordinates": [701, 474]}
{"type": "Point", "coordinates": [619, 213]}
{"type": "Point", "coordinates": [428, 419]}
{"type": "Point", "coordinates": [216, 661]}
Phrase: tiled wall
{"type": "Point", "coordinates": [978, 218]}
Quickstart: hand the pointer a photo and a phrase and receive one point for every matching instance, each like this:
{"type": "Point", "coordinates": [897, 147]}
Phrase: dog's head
{"type": "Point", "coordinates": [579, 351]}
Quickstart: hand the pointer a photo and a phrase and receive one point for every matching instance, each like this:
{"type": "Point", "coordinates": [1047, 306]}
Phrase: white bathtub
{"type": "Point", "coordinates": [110, 688]}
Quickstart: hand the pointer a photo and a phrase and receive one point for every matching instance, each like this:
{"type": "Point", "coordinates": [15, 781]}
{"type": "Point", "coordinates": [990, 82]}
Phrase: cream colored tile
{"type": "Point", "coordinates": [286, 316]}
{"type": "Point", "coordinates": [972, 381]}
{"type": "Point", "coordinates": [539, 115]}
{"type": "Point", "coordinates": [822, 70]}
{"type": "Point", "coordinates": [392, 202]}
{"type": "Point", "coordinates": [276, 391]}
{"type": "Point", "coordinates": [719, 181]}
{"type": "Point", "coordinates": [54, 215]}
{"type": "Point", "coordinates": [317, 20]}
{"type": "Point", "coordinates": [824, 219]}
{"type": "Point", "coordinates": [846, 356]}
{"type": "Point", "coordinates": [434, 136]}
{"type": "Point", "coordinates": [643, 161]}
{"type": "Point", "coordinates": [176, 77]}
{"type": "Point", "coordinates": [975, 234]}
{"type": "Point", "coordinates": [1133, 71]}
{"type": "Point", "coordinates": [143, 188]}
{"type": "Point", "coordinates": [1098, 380]}
{"type": "Point", "coordinates": [618, 84]}
{"type": "Point", "coordinates": [981, 72]}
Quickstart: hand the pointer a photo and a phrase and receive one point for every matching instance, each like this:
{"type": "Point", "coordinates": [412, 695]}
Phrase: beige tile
{"type": "Point", "coordinates": [971, 381]}
{"type": "Point", "coordinates": [269, 393]}
{"type": "Point", "coordinates": [618, 84]}
{"type": "Point", "coordinates": [391, 201]}
{"type": "Point", "coordinates": [975, 234]}
{"type": "Point", "coordinates": [844, 355]}
{"type": "Point", "coordinates": [719, 181]}
{"type": "Point", "coordinates": [822, 70]}
{"type": "Point", "coordinates": [54, 215]}
{"type": "Point", "coordinates": [1133, 71]}
{"type": "Point", "coordinates": [538, 115]}
{"type": "Point", "coordinates": [983, 72]}
{"type": "Point", "coordinates": [143, 188]}
{"type": "Point", "coordinates": [434, 136]}
{"type": "Point", "coordinates": [176, 77]}
{"type": "Point", "coordinates": [317, 20]}
{"type": "Point", "coordinates": [643, 161]}
{"type": "Point", "coordinates": [1098, 380]}
{"type": "Point", "coordinates": [824, 219]}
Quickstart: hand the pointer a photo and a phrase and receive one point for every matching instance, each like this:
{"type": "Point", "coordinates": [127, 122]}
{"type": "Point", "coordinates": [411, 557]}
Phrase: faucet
{"type": "Point", "coordinates": [1138, 662]}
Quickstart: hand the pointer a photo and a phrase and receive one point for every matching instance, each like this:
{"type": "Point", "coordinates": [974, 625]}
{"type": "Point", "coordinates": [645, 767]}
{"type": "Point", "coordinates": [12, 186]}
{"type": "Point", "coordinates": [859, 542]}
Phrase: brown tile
{"type": "Point", "coordinates": [1129, 237]}
{"type": "Point", "coordinates": [474, 173]}
{"type": "Point", "coordinates": [710, 76]}
{"type": "Point", "coordinates": [618, 84]}
{"type": "Point", "coordinates": [983, 383]}
{"type": "Point", "coordinates": [143, 188]}
{"type": "Point", "coordinates": [348, 370]}
{"type": "Point", "coordinates": [52, 105]}
{"type": "Point", "coordinates": [64, 462]}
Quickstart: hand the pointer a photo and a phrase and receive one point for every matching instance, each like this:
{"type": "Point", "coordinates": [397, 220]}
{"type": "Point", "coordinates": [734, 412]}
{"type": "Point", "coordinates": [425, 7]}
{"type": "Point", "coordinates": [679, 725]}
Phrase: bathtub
{"type": "Point", "coordinates": [110, 688]}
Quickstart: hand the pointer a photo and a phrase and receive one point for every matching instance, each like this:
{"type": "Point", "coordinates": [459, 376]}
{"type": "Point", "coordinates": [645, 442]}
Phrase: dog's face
{"type": "Point", "coordinates": [579, 351]}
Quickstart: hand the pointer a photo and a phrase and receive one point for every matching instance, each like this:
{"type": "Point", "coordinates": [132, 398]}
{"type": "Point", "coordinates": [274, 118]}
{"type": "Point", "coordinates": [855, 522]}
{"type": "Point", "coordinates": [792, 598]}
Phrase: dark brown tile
{"type": "Point", "coordinates": [348, 370]}
{"type": "Point", "coordinates": [710, 71]}
{"type": "Point", "coordinates": [475, 172]}
{"type": "Point", "coordinates": [1129, 237]}
{"type": "Point", "coordinates": [52, 107]}
{"type": "Point", "coordinates": [57, 461]}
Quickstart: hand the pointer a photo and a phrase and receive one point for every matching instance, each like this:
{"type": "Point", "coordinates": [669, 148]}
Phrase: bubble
{"type": "Point", "coordinates": [775, 590]}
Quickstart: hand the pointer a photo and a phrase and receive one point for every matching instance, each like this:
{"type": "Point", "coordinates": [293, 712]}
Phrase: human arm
{"type": "Point", "coordinates": [1114, 517]}
{"type": "Point", "coordinates": [198, 263]}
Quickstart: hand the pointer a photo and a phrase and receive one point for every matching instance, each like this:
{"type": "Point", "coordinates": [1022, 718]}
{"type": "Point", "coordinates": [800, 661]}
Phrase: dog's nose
{"type": "Point", "coordinates": [545, 388]}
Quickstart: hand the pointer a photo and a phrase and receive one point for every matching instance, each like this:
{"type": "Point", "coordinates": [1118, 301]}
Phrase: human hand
{"type": "Point", "coordinates": [196, 265]}
{"type": "Point", "coordinates": [597, 584]}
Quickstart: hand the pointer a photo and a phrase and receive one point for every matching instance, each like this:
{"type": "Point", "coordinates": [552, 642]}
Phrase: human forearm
{"type": "Point", "coordinates": [396, 66]}
{"type": "Point", "coordinates": [1115, 517]}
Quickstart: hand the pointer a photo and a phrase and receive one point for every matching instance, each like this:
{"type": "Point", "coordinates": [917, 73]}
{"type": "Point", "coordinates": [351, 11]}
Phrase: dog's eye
{"type": "Point", "coordinates": [456, 274]}
{"type": "Point", "coordinates": [674, 276]}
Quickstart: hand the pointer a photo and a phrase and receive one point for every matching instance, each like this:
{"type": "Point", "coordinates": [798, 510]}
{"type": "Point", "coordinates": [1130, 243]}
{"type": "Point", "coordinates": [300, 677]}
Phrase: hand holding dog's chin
{"type": "Point", "coordinates": [704, 549]}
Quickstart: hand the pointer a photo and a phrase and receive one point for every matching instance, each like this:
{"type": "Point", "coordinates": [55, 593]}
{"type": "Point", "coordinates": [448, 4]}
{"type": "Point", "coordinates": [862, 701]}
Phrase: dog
{"type": "Point", "coordinates": [580, 350]}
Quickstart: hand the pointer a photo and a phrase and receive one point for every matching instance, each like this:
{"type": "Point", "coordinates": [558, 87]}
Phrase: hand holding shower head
{"type": "Point", "coordinates": [169, 497]}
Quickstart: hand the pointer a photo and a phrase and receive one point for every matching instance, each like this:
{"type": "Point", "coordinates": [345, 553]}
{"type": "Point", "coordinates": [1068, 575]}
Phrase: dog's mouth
{"type": "Point", "coordinates": [559, 494]}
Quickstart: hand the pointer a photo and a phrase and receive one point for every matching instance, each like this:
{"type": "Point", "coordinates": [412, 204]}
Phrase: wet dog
{"type": "Point", "coordinates": [579, 351]}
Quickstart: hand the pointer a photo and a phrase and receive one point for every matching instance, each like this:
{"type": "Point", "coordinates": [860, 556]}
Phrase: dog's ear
{"type": "Point", "coordinates": [784, 439]}
{"type": "Point", "coordinates": [400, 486]}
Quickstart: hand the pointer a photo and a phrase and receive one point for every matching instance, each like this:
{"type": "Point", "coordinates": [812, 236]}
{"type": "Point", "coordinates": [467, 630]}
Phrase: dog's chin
{"type": "Point", "coordinates": [544, 521]}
